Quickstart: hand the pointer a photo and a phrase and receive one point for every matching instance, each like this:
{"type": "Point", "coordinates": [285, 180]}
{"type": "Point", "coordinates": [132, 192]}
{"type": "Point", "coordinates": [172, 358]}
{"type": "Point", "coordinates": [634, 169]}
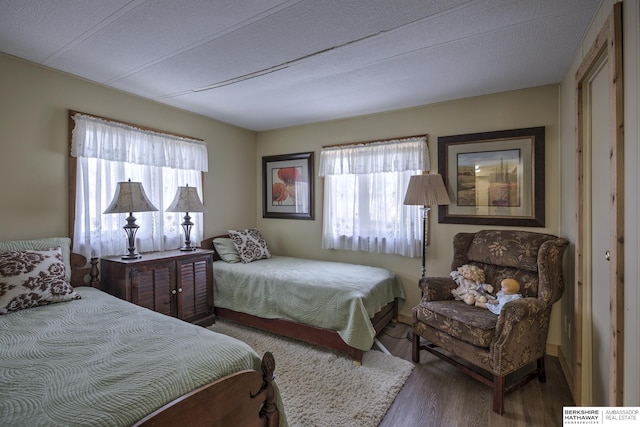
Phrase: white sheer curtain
{"type": "Point", "coordinates": [364, 190]}
{"type": "Point", "coordinates": [110, 152]}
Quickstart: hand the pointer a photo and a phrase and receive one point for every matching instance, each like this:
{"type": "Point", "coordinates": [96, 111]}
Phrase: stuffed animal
{"type": "Point", "coordinates": [471, 286]}
{"type": "Point", "coordinates": [508, 292]}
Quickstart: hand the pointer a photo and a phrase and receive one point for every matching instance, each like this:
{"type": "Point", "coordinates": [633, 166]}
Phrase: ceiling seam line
{"type": "Point", "coordinates": [94, 30]}
{"type": "Point", "coordinates": [293, 62]}
{"type": "Point", "coordinates": [198, 43]}
{"type": "Point", "coordinates": [239, 26]}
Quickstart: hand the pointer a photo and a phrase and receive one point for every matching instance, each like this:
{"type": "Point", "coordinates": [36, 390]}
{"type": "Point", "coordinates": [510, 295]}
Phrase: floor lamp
{"type": "Point", "coordinates": [425, 190]}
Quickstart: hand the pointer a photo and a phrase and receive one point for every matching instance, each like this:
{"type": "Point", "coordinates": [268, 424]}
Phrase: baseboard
{"type": "Point", "coordinates": [553, 349]}
{"type": "Point", "coordinates": [564, 364]}
{"type": "Point", "coordinates": [402, 318]}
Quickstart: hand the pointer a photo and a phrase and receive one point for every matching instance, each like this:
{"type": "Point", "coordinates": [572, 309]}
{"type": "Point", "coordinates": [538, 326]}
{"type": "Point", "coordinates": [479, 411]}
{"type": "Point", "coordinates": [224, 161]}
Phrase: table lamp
{"type": "Point", "coordinates": [130, 197]}
{"type": "Point", "coordinates": [187, 200]}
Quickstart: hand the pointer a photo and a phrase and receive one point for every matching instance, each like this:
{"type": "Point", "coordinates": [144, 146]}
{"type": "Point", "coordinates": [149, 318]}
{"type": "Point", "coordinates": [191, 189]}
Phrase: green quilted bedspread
{"type": "Point", "coordinates": [333, 295]}
{"type": "Point", "coordinates": [91, 362]}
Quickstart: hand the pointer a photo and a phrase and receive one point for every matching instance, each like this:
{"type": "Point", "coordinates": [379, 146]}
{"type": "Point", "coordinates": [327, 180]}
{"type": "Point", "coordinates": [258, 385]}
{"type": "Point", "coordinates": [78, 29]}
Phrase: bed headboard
{"type": "Point", "coordinates": [83, 273]}
{"type": "Point", "coordinates": [208, 244]}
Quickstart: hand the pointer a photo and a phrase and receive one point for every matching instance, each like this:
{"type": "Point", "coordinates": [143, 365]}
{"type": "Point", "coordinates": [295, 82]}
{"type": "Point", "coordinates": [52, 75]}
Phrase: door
{"type": "Point", "coordinates": [599, 298]}
{"type": "Point", "coordinates": [598, 178]}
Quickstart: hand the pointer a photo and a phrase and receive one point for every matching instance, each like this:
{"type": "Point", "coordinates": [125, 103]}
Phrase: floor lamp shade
{"type": "Point", "coordinates": [187, 200]}
{"type": "Point", "coordinates": [426, 190]}
{"type": "Point", "coordinates": [130, 197]}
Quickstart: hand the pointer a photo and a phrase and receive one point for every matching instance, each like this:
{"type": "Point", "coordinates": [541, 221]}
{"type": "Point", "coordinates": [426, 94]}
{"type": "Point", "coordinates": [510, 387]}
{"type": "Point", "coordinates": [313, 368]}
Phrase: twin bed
{"type": "Point", "coordinates": [99, 360]}
{"type": "Point", "coordinates": [337, 305]}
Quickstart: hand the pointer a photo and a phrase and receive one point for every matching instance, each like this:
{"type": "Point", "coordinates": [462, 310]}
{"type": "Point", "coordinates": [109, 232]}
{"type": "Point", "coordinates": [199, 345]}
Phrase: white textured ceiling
{"type": "Point", "coordinates": [265, 64]}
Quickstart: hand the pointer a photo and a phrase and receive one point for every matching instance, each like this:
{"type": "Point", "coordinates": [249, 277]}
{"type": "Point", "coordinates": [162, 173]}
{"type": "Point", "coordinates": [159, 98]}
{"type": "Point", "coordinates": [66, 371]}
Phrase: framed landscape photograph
{"type": "Point", "coordinates": [494, 178]}
{"type": "Point", "coordinates": [288, 186]}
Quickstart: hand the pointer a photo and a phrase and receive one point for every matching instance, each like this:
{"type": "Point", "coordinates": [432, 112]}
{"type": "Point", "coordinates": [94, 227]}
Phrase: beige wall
{"type": "Point", "coordinates": [511, 110]}
{"type": "Point", "coordinates": [34, 150]}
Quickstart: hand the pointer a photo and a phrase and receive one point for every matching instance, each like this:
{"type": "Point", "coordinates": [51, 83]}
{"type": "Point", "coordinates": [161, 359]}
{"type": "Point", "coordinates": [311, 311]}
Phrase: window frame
{"type": "Point", "coordinates": [425, 167]}
{"type": "Point", "coordinates": [73, 161]}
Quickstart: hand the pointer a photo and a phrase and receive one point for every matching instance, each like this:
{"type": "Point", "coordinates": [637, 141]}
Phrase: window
{"type": "Point", "coordinates": [364, 189]}
{"type": "Point", "coordinates": [109, 152]}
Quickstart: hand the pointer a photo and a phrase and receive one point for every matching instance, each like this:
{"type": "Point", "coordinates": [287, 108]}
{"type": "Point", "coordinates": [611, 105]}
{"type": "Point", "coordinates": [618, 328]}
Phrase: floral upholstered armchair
{"type": "Point", "coordinates": [498, 344]}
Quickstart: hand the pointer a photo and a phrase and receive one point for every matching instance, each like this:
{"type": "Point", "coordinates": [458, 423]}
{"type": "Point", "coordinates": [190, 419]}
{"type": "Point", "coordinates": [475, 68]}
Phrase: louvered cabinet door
{"type": "Point", "coordinates": [175, 283]}
{"type": "Point", "coordinates": [153, 287]}
{"type": "Point", "coordinates": [195, 287]}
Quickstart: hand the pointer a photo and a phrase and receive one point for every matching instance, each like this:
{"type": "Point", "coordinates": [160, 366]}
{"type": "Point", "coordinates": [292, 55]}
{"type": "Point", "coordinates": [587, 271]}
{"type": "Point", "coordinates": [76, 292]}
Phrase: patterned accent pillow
{"type": "Point", "coordinates": [249, 244]}
{"type": "Point", "coordinates": [32, 278]}
{"type": "Point", "coordinates": [226, 249]}
{"type": "Point", "coordinates": [41, 244]}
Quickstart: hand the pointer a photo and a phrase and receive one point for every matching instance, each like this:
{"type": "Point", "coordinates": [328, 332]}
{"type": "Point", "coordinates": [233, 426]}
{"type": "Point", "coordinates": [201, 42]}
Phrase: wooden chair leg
{"type": "Point", "coordinates": [498, 394]}
{"type": "Point", "coordinates": [542, 375]}
{"type": "Point", "coordinates": [415, 348]}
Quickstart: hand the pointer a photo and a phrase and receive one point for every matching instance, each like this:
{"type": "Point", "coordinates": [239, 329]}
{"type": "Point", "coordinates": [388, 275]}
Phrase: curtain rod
{"type": "Point", "coordinates": [375, 141]}
{"type": "Point", "coordinates": [133, 125]}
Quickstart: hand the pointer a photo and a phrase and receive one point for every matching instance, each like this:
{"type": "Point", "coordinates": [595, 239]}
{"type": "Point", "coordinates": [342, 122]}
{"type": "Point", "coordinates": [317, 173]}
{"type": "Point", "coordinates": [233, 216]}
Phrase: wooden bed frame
{"type": "Point", "coordinates": [300, 331]}
{"type": "Point", "coordinates": [245, 398]}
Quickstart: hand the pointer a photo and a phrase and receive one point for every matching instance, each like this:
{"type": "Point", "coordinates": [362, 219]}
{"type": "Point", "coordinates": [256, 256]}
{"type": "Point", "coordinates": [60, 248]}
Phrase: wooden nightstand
{"type": "Point", "coordinates": [175, 283]}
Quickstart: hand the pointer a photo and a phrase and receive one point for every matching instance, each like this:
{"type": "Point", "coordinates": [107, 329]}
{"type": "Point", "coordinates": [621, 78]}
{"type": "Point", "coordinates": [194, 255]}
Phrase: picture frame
{"type": "Point", "coordinates": [288, 186]}
{"type": "Point", "coordinates": [494, 178]}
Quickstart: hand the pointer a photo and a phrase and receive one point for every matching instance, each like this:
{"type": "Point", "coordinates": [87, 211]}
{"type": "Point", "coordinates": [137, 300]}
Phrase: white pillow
{"type": "Point", "coordinates": [249, 244]}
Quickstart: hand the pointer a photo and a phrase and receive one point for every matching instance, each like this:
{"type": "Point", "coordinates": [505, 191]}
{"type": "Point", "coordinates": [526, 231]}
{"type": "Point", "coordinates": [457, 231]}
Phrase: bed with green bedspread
{"type": "Point", "coordinates": [101, 361]}
{"type": "Point", "coordinates": [335, 296]}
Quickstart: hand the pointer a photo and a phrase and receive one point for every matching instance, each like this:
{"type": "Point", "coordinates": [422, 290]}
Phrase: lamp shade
{"type": "Point", "coordinates": [186, 200]}
{"type": "Point", "coordinates": [426, 190]}
{"type": "Point", "coordinates": [130, 197]}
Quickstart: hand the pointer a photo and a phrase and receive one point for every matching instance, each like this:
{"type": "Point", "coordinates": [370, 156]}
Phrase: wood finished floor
{"type": "Point", "coordinates": [437, 394]}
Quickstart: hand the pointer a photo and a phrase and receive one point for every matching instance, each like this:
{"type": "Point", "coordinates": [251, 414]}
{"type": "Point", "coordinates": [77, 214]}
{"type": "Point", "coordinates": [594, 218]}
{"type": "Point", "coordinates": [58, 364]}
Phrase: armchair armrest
{"type": "Point", "coordinates": [521, 334]}
{"type": "Point", "coordinates": [551, 283]}
{"type": "Point", "coordinates": [436, 288]}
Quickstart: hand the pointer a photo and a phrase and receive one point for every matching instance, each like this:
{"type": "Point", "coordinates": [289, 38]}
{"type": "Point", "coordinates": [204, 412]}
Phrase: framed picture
{"type": "Point", "coordinates": [494, 178]}
{"type": "Point", "coordinates": [288, 186]}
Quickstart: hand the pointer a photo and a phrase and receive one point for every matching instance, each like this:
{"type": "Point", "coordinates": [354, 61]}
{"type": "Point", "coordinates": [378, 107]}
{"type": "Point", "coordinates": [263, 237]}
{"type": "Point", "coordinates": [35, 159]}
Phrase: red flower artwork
{"type": "Point", "coordinates": [289, 175]}
{"type": "Point", "coordinates": [279, 192]}
{"type": "Point", "coordinates": [286, 189]}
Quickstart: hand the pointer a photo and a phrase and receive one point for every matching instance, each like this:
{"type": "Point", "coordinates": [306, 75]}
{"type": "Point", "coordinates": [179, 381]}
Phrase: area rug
{"type": "Point", "coordinates": [320, 387]}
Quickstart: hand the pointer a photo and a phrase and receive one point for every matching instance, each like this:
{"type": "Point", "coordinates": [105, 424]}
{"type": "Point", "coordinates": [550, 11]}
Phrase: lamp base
{"type": "Point", "coordinates": [186, 226]}
{"type": "Point", "coordinates": [131, 229]}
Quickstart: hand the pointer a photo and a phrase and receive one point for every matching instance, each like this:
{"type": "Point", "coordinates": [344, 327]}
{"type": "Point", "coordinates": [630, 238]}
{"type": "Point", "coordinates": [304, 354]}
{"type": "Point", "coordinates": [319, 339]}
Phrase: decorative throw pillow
{"type": "Point", "coordinates": [42, 244]}
{"type": "Point", "coordinates": [32, 278]}
{"type": "Point", "coordinates": [226, 249]}
{"type": "Point", "coordinates": [249, 244]}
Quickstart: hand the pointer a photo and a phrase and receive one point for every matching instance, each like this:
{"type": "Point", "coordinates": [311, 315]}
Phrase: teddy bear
{"type": "Point", "coordinates": [508, 292]}
{"type": "Point", "coordinates": [471, 287]}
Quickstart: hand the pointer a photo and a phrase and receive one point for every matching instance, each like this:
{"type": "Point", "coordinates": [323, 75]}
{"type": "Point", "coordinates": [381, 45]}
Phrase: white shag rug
{"type": "Point", "coordinates": [320, 387]}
